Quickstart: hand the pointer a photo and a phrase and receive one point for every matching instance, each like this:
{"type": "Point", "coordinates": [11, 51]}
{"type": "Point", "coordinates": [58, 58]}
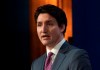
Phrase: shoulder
{"type": "Point", "coordinates": [37, 61]}
{"type": "Point", "coordinates": [79, 59]}
{"type": "Point", "coordinates": [71, 50]}
{"type": "Point", "coordinates": [39, 58]}
{"type": "Point", "coordinates": [73, 53]}
{"type": "Point", "coordinates": [76, 52]}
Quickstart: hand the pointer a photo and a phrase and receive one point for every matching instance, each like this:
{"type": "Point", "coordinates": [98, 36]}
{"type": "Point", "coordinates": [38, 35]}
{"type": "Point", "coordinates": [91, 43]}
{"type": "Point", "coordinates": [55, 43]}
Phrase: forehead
{"type": "Point", "coordinates": [45, 17]}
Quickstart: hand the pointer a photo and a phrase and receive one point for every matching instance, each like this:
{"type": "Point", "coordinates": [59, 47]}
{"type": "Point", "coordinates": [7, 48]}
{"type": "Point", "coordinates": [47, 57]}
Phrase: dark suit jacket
{"type": "Point", "coordinates": [68, 58]}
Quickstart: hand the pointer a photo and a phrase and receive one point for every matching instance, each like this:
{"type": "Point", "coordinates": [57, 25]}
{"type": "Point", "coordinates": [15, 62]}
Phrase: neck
{"type": "Point", "coordinates": [51, 46]}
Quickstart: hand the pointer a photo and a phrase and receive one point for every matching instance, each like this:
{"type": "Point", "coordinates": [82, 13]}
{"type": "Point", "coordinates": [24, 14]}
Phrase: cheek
{"type": "Point", "coordinates": [38, 32]}
{"type": "Point", "coordinates": [55, 32]}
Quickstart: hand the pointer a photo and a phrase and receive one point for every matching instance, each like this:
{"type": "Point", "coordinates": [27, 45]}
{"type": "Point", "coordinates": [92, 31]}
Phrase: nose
{"type": "Point", "coordinates": [44, 29]}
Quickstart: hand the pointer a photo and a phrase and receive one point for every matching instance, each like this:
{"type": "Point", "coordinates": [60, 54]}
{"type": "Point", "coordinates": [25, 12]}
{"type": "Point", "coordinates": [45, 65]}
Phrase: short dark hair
{"type": "Point", "coordinates": [55, 12]}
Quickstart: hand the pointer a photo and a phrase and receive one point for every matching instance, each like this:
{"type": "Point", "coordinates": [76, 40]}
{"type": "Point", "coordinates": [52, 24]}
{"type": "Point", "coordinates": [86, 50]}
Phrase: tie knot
{"type": "Point", "coordinates": [50, 54]}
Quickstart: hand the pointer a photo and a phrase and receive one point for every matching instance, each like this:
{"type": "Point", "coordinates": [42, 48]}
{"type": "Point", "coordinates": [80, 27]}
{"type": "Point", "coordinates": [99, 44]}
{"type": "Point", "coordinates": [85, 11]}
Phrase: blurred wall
{"type": "Point", "coordinates": [16, 51]}
{"type": "Point", "coordinates": [86, 28]}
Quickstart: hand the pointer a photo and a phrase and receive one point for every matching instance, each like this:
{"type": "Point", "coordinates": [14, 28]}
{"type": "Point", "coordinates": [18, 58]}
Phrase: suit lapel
{"type": "Point", "coordinates": [58, 61]}
{"type": "Point", "coordinates": [43, 62]}
{"type": "Point", "coordinates": [60, 56]}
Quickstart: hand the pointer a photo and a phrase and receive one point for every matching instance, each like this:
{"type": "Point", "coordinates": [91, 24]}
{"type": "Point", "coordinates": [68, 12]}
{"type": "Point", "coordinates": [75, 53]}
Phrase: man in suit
{"type": "Point", "coordinates": [51, 26]}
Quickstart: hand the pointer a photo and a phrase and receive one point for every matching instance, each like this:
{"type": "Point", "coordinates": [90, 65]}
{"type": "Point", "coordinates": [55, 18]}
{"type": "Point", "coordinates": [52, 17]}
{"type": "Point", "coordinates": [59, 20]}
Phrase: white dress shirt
{"type": "Point", "coordinates": [55, 49]}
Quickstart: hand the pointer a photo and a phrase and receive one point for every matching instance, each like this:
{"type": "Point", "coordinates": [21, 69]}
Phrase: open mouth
{"type": "Point", "coordinates": [45, 36]}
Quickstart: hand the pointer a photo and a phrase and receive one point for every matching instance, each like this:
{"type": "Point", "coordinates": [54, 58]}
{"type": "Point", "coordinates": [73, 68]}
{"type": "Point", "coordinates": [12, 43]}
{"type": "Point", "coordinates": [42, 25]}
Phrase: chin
{"type": "Point", "coordinates": [45, 43]}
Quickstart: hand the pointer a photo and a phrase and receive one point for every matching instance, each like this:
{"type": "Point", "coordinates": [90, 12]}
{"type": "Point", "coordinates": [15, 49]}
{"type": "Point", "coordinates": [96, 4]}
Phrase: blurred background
{"type": "Point", "coordinates": [21, 44]}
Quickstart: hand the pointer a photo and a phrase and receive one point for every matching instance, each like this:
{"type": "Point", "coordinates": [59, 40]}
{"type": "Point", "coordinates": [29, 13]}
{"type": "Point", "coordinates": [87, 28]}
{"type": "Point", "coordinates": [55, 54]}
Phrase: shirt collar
{"type": "Point", "coordinates": [56, 48]}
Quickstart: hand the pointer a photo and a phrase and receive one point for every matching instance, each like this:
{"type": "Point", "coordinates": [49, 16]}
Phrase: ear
{"type": "Point", "coordinates": [62, 27]}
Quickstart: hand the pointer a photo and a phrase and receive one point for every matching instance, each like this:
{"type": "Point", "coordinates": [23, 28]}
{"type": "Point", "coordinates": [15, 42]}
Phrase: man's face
{"type": "Point", "coordinates": [48, 30]}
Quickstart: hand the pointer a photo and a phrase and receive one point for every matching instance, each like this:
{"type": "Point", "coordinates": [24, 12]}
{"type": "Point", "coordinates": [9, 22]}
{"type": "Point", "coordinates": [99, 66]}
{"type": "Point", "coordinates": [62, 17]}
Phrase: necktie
{"type": "Point", "coordinates": [48, 61]}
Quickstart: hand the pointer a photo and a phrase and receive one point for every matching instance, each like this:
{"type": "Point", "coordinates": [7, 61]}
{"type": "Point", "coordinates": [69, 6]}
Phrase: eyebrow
{"type": "Point", "coordinates": [49, 20]}
{"type": "Point", "coordinates": [46, 21]}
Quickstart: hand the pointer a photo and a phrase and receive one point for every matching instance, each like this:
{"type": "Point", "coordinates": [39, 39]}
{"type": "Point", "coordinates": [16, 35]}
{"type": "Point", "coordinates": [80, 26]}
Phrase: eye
{"type": "Point", "coordinates": [50, 23]}
{"type": "Point", "coordinates": [39, 24]}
